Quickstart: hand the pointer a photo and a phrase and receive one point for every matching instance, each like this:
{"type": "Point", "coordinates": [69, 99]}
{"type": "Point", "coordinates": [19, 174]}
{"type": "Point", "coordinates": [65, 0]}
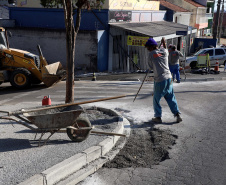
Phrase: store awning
{"type": "Point", "coordinates": [152, 29]}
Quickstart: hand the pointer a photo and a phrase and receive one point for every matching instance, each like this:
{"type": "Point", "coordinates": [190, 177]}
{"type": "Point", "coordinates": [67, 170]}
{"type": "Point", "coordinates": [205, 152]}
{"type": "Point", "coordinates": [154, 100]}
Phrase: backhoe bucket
{"type": "Point", "coordinates": [52, 74]}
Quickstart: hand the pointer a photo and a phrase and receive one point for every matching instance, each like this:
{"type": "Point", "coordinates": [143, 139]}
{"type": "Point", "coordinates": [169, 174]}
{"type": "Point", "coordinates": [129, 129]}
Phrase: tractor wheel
{"type": "Point", "coordinates": [79, 135]}
{"type": "Point", "coordinates": [21, 78]}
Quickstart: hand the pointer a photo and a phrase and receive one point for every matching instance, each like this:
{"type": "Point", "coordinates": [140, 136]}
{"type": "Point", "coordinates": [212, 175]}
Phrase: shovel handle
{"type": "Point", "coordinates": [63, 105]}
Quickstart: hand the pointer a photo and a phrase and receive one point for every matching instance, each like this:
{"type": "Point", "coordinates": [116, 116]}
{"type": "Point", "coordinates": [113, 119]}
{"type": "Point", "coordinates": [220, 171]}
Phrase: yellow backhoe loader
{"type": "Point", "coordinates": [22, 68]}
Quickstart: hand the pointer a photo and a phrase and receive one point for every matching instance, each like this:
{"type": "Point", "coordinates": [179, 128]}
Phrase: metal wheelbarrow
{"type": "Point", "coordinates": [54, 120]}
{"type": "Point", "coordinates": [59, 118]}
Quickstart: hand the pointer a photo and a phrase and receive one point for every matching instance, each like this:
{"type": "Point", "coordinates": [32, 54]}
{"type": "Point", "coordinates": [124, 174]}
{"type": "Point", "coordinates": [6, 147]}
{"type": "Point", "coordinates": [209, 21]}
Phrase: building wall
{"type": "Point", "coordinates": [53, 18]}
{"type": "Point", "coordinates": [29, 3]}
{"type": "Point", "coordinates": [182, 18]}
{"type": "Point", "coordinates": [131, 5]}
{"type": "Point", "coordinates": [147, 16]}
{"type": "Point", "coordinates": [198, 13]}
{"type": "Point", "coordinates": [53, 45]}
{"type": "Point", "coordinates": [108, 4]}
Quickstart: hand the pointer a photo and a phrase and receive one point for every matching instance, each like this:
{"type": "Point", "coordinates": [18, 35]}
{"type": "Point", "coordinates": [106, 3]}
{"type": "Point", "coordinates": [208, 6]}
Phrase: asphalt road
{"type": "Point", "coordinates": [197, 158]}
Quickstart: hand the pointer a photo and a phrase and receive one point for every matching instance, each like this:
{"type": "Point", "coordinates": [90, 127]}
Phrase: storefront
{"type": "Point", "coordinates": [126, 46]}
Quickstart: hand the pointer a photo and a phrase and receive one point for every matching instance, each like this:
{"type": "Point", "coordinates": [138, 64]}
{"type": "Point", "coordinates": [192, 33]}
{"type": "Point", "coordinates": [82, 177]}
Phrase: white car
{"type": "Point", "coordinates": [215, 54]}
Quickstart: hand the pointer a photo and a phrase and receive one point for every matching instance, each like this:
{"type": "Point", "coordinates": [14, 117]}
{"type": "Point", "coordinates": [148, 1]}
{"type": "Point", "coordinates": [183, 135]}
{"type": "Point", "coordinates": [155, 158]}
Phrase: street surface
{"type": "Point", "coordinates": [199, 155]}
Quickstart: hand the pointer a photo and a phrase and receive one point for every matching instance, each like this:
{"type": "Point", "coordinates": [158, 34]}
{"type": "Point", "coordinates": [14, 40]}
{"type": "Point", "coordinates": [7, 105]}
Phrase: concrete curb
{"type": "Point", "coordinates": [81, 165]}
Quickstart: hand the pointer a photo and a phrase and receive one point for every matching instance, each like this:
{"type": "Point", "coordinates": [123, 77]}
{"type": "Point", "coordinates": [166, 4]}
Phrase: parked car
{"type": "Point", "coordinates": [215, 54]}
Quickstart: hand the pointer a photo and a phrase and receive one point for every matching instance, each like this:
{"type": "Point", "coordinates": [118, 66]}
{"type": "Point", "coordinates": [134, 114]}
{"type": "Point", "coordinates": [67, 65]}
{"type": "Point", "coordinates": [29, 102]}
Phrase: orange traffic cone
{"type": "Point", "coordinates": [216, 68]}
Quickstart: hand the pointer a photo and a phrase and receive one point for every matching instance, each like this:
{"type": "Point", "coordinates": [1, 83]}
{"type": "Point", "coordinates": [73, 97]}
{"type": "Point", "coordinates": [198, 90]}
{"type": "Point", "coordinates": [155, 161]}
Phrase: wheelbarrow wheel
{"type": "Point", "coordinates": [79, 135]}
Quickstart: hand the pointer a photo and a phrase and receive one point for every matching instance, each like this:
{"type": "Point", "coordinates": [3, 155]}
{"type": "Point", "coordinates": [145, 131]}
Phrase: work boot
{"type": "Point", "coordinates": [157, 120]}
{"type": "Point", "coordinates": [178, 117]}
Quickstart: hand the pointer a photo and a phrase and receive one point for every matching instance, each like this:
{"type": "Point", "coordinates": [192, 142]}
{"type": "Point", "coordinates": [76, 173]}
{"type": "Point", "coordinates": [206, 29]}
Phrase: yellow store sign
{"type": "Point", "coordinates": [136, 40]}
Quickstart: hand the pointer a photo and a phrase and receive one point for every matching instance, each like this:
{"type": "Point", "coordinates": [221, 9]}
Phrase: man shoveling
{"type": "Point", "coordinates": [158, 61]}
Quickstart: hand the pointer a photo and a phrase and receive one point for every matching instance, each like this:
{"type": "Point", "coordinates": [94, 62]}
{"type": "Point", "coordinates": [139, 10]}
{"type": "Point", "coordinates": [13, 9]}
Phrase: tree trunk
{"type": "Point", "coordinates": [71, 34]}
{"type": "Point", "coordinates": [70, 46]}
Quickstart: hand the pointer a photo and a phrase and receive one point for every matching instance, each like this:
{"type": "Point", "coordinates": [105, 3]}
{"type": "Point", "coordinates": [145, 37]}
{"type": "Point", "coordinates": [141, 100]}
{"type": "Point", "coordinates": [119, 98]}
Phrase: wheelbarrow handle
{"type": "Point", "coordinates": [12, 113]}
{"type": "Point", "coordinates": [6, 112]}
{"type": "Point", "coordinates": [62, 105]}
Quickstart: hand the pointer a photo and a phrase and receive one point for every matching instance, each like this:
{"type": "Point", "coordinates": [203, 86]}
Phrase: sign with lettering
{"type": "Point", "coordinates": [120, 16]}
{"type": "Point", "coordinates": [136, 40]}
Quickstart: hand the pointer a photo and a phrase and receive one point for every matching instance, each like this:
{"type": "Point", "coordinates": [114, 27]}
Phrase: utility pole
{"type": "Point", "coordinates": [215, 31]}
{"type": "Point", "coordinates": [221, 20]}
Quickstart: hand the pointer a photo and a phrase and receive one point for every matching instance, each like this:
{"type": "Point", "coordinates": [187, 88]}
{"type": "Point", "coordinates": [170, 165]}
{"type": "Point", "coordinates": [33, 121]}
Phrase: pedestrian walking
{"type": "Point", "coordinates": [174, 63]}
{"type": "Point", "coordinates": [158, 61]}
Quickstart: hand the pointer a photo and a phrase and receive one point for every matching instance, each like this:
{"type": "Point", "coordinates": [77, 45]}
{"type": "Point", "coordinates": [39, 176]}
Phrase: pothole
{"type": "Point", "coordinates": [144, 148]}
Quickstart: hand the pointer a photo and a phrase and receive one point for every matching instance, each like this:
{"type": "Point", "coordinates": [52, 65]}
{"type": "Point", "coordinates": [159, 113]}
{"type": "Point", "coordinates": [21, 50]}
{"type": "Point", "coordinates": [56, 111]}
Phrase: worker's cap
{"type": "Point", "coordinates": [173, 47]}
{"type": "Point", "coordinates": [151, 42]}
{"type": "Point", "coordinates": [170, 46]}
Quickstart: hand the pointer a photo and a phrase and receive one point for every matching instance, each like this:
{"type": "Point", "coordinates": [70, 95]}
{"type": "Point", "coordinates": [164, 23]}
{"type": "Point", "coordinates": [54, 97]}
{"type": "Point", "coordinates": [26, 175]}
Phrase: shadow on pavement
{"type": "Point", "coordinates": [163, 123]}
{"type": "Point", "coordinates": [9, 144]}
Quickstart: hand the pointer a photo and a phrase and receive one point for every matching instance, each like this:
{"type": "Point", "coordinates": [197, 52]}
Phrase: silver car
{"type": "Point", "coordinates": [215, 54]}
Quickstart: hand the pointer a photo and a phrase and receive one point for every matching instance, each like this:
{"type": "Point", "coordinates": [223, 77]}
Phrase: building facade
{"type": "Point", "coordinates": [105, 29]}
{"type": "Point", "coordinates": [175, 13]}
{"type": "Point", "coordinates": [198, 16]}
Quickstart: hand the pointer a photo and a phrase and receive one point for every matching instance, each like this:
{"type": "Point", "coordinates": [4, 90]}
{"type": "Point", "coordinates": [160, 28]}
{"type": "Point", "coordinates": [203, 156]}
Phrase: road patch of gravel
{"type": "Point", "coordinates": [144, 148]}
